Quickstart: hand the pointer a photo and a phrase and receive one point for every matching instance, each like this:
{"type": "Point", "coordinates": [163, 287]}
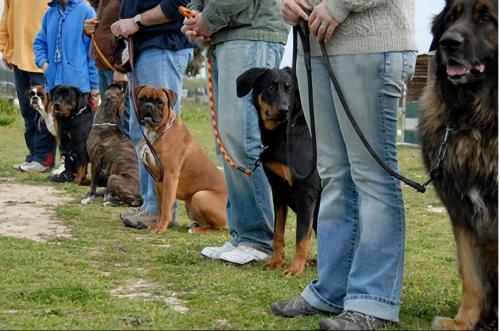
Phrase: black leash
{"type": "Point", "coordinates": [304, 36]}
{"type": "Point", "coordinates": [307, 58]}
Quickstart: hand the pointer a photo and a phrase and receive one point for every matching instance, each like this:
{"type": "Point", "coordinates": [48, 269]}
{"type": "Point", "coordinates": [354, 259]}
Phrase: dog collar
{"type": "Point", "coordinates": [80, 112]}
{"type": "Point", "coordinates": [104, 124]}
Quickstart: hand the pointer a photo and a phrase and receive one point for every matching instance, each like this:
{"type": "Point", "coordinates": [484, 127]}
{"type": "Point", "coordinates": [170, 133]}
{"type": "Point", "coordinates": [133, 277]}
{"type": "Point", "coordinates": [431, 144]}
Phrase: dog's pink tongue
{"type": "Point", "coordinates": [456, 70]}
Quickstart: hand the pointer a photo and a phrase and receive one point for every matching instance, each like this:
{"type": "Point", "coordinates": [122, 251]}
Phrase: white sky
{"type": "Point", "coordinates": [425, 10]}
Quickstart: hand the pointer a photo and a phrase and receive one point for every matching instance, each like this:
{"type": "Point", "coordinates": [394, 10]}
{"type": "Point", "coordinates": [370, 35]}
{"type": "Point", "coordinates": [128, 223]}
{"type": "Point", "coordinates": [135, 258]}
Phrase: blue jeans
{"type": "Point", "coordinates": [106, 79]}
{"type": "Point", "coordinates": [361, 221]}
{"type": "Point", "coordinates": [40, 142]}
{"type": "Point", "coordinates": [249, 208]}
{"type": "Point", "coordinates": [160, 68]}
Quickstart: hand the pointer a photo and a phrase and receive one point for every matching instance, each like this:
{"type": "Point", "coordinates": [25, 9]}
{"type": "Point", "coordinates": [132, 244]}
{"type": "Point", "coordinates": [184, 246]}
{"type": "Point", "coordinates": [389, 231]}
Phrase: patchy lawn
{"type": "Point", "coordinates": [96, 274]}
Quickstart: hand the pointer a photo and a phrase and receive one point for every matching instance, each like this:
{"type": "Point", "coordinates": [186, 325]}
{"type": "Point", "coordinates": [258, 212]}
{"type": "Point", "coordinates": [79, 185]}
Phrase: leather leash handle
{"type": "Point", "coordinates": [159, 177]}
{"type": "Point", "coordinates": [101, 54]}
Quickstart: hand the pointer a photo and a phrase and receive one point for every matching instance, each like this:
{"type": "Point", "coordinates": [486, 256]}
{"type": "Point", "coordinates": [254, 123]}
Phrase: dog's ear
{"type": "Point", "coordinates": [82, 99]}
{"type": "Point", "coordinates": [246, 81]}
{"type": "Point", "coordinates": [288, 70]}
{"type": "Point", "coordinates": [171, 96]}
{"type": "Point", "coordinates": [439, 26]}
{"type": "Point", "coordinates": [138, 90]}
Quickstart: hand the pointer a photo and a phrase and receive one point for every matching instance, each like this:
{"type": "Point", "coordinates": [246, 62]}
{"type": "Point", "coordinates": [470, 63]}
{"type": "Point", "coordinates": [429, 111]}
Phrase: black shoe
{"type": "Point", "coordinates": [294, 308]}
{"type": "Point", "coordinates": [63, 177]}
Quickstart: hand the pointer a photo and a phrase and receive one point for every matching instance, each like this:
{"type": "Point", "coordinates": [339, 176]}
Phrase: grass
{"type": "Point", "coordinates": [68, 283]}
{"type": "Point", "coordinates": [8, 113]}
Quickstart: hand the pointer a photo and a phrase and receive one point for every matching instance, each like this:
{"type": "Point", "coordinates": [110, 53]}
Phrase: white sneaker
{"type": "Point", "coordinates": [215, 252]}
{"type": "Point", "coordinates": [18, 165]}
{"type": "Point", "coordinates": [244, 254]}
{"type": "Point", "coordinates": [33, 167]}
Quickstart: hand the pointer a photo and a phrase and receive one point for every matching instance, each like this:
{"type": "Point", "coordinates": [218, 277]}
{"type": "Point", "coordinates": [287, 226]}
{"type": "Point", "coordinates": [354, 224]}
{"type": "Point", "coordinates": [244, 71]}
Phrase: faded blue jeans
{"type": "Point", "coordinates": [249, 208]}
{"type": "Point", "coordinates": [160, 68]}
{"type": "Point", "coordinates": [361, 221]}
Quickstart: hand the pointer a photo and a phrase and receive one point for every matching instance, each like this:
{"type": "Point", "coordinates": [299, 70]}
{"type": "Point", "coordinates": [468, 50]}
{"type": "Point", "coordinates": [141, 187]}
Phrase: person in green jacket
{"type": "Point", "coordinates": [242, 35]}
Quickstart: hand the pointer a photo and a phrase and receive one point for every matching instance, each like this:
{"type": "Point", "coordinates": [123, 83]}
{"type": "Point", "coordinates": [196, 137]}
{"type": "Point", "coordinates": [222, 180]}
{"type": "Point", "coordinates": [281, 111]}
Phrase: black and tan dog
{"type": "Point", "coordinates": [189, 174]}
{"type": "Point", "coordinates": [461, 104]}
{"type": "Point", "coordinates": [74, 118]}
{"type": "Point", "coordinates": [287, 159]}
{"type": "Point", "coordinates": [112, 154]}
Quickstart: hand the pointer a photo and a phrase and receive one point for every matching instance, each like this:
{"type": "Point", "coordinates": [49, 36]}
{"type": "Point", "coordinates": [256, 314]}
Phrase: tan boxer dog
{"type": "Point", "coordinates": [39, 101]}
{"type": "Point", "coordinates": [188, 173]}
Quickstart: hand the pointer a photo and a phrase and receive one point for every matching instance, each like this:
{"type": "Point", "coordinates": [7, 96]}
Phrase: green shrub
{"type": "Point", "coordinates": [8, 112]}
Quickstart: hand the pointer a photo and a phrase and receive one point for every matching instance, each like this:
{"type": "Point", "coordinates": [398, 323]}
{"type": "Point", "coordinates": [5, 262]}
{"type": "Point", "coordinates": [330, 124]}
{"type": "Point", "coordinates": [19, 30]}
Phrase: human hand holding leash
{"type": "Point", "coordinates": [124, 27]}
{"type": "Point", "coordinates": [321, 23]}
{"type": "Point", "coordinates": [195, 28]}
{"type": "Point", "coordinates": [89, 26]}
{"type": "Point", "coordinates": [295, 10]}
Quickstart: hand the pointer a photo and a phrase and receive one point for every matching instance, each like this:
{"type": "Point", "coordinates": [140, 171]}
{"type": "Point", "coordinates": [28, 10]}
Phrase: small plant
{"type": "Point", "coordinates": [8, 112]}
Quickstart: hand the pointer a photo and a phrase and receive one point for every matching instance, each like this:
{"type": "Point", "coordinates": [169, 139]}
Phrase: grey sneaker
{"type": "Point", "coordinates": [294, 308]}
{"type": "Point", "coordinates": [352, 320]}
{"type": "Point", "coordinates": [33, 167]}
{"type": "Point", "coordinates": [140, 220]}
{"type": "Point", "coordinates": [130, 212]}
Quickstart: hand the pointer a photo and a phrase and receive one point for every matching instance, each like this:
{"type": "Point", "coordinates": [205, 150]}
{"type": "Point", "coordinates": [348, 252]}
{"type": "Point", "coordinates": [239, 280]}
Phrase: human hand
{"type": "Point", "coordinates": [89, 26]}
{"type": "Point", "coordinates": [45, 66]}
{"type": "Point", "coordinates": [321, 23]}
{"type": "Point", "coordinates": [295, 10]}
{"type": "Point", "coordinates": [196, 28]}
{"type": "Point", "coordinates": [124, 27]}
{"type": "Point", "coordinates": [7, 64]}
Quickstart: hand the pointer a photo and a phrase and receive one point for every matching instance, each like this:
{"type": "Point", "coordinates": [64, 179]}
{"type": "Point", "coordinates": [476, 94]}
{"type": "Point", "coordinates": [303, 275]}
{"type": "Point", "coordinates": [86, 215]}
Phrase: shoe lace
{"type": "Point", "coordinates": [356, 318]}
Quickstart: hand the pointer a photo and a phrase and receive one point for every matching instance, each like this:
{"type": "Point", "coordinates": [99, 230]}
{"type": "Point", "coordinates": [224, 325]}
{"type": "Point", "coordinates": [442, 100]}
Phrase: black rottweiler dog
{"type": "Point", "coordinates": [286, 155]}
{"type": "Point", "coordinates": [74, 117]}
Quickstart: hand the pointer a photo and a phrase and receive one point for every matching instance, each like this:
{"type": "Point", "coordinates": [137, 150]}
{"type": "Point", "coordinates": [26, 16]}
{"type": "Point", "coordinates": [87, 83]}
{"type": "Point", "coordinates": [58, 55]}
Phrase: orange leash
{"type": "Point", "coordinates": [101, 55]}
{"type": "Point", "coordinates": [248, 172]}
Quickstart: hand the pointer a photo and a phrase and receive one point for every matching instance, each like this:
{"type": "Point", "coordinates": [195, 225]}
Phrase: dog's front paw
{"type": "Point", "coordinates": [157, 229]}
{"type": "Point", "coordinates": [274, 263]}
{"type": "Point", "coordinates": [87, 200]}
{"type": "Point", "coordinates": [294, 270]}
{"type": "Point", "coordinates": [444, 323]}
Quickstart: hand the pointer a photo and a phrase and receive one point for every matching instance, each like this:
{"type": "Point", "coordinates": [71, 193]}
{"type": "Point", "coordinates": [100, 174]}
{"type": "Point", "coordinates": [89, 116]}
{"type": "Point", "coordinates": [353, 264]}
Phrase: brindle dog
{"type": "Point", "coordinates": [112, 154]}
{"type": "Point", "coordinates": [461, 101]}
{"type": "Point", "coordinates": [189, 174]}
{"type": "Point", "coordinates": [292, 174]}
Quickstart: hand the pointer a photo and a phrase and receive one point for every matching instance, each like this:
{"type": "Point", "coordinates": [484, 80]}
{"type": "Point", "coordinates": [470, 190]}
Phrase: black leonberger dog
{"type": "Point", "coordinates": [459, 131]}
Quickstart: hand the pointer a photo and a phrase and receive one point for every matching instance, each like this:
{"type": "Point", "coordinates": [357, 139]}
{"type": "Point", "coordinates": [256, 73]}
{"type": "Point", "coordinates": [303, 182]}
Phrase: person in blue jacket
{"type": "Point", "coordinates": [62, 50]}
{"type": "Point", "coordinates": [161, 55]}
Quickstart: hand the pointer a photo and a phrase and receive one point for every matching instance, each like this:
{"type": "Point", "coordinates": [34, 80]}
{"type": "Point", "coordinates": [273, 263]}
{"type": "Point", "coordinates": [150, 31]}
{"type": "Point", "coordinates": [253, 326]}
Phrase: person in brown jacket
{"type": "Point", "coordinates": [108, 12]}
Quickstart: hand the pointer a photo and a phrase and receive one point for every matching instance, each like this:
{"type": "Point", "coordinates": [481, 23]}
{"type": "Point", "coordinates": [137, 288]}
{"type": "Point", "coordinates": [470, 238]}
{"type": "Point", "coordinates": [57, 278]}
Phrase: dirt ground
{"type": "Point", "coordinates": [25, 212]}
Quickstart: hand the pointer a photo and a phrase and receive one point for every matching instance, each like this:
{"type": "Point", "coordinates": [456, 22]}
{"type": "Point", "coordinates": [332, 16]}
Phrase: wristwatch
{"type": "Point", "coordinates": [137, 20]}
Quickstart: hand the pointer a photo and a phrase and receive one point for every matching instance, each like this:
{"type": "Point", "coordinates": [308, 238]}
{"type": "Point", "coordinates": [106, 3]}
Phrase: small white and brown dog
{"type": "Point", "coordinates": [39, 101]}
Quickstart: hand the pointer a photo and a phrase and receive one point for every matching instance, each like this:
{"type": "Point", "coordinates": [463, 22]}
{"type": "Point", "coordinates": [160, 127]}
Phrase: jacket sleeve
{"type": "Point", "coordinates": [40, 44]}
{"type": "Point", "coordinates": [93, 75]}
{"type": "Point", "coordinates": [4, 31]}
{"type": "Point", "coordinates": [218, 13]}
{"type": "Point", "coordinates": [196, 5]}
{"type": "Point", "coordinates": [170, 8]}
{"type": "Point", "coordinates": [340, 9]}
